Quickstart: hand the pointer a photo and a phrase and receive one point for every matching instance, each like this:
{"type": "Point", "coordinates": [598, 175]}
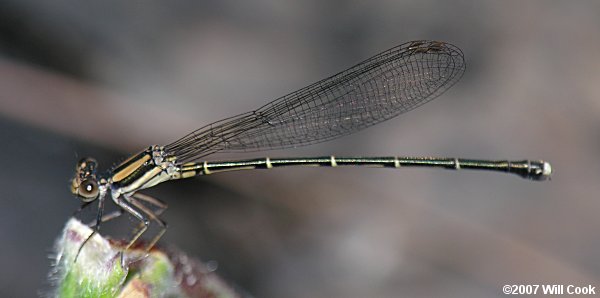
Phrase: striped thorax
{"type": "Point", "coordinates": [142, 170]}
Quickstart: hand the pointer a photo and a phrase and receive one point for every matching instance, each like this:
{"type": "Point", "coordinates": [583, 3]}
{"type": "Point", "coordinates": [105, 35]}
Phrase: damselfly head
{"type": "Point", "coordinates": [85, 183]}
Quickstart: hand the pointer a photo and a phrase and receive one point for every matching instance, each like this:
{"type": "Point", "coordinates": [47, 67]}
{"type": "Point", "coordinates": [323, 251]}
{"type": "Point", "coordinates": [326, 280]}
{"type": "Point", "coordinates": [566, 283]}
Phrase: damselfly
{"type": "Point", "coordinates": [377, 89]}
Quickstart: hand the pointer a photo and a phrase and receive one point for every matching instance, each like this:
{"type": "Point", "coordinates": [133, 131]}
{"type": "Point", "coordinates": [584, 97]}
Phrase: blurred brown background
{"type": "Point", "coordinates": [108, 78]}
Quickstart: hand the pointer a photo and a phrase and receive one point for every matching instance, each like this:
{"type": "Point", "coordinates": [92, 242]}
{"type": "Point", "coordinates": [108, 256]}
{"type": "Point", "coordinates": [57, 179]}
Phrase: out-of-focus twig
{"type": "Point", "coordinates": [74, 108]}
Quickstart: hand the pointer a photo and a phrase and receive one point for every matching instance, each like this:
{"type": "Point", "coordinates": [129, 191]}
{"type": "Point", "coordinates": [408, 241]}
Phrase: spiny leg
{"type": "Point", "coordinates": [96, 225]}
{"type": "Point", "coordinates": [161, 206]}
{"type": "Point", "coordinates": [153, 215]}
{"type": "Point", "coordinates": [144, 222]}
{"type": "Point", "coordinates": [105, 218]}
{"type": "Point", "coordinates": [108, 217]}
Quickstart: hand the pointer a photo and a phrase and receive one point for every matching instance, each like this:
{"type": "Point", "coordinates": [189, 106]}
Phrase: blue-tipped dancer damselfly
{"type": "Point", "coordinates": [377, 89]}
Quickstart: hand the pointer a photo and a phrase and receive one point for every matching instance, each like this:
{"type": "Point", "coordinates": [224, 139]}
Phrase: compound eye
{"type": "Point", "coordinates": [88, 190]}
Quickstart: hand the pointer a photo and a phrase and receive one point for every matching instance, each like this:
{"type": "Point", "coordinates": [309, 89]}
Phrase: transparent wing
{"type": "Point", "coordinates": [379, 88]}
